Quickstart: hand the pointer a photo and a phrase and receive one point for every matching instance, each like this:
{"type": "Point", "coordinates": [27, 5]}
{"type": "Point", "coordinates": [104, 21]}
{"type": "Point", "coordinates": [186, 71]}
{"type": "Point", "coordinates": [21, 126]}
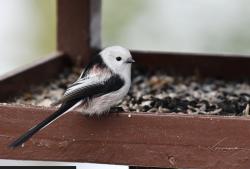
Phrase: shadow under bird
{"type": "Point", "coordinates": [101, 85]}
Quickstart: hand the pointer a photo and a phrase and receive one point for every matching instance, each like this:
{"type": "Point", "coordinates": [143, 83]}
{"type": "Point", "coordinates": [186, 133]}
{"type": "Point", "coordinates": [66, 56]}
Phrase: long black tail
{"type": "Point", "coordinates": [23, 138]}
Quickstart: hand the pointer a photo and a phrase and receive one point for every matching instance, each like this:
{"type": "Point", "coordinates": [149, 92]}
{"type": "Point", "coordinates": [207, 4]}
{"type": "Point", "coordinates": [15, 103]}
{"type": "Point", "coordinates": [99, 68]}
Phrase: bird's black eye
{"type": "Point", "coordinates": [118, 58]}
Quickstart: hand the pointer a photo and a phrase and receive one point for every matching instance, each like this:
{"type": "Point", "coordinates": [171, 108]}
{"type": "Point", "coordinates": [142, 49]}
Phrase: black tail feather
{"type": "Point", "coordinates": [23, 138]}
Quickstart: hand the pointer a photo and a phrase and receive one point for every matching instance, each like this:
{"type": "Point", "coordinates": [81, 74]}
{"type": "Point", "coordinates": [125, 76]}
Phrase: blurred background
{"type": "Point", "coordinates": [28, 28]}
{"type": "Point", "coordinates": [175, 25]}
{"type": "Point", "coordinates": [27, 31]}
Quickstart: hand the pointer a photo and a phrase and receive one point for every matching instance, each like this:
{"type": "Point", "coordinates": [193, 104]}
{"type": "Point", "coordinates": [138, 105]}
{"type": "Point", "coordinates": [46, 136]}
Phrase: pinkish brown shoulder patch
{"type": "Point", "coordinates": [99, 70]}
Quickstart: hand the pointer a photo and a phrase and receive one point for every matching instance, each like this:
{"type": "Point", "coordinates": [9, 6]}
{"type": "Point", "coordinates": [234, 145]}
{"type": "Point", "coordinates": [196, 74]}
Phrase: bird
{"type": "Point", "coordinates": [102, 84]}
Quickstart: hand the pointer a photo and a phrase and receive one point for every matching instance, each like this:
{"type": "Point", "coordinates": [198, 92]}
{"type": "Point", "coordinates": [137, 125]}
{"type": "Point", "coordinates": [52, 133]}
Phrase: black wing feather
{"type": "Point", "coordinates": [114, 83]}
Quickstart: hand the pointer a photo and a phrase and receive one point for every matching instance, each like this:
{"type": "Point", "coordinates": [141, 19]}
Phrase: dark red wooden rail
{"type": "Point", "coordinates": [146, 140]}
{"type": "Point", "coordinates": [181, 141]}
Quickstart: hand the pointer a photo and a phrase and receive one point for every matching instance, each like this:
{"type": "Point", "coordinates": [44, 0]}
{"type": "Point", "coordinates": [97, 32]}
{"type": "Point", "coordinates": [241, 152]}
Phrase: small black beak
{"type": "Point", "coordinates": [130, 60]}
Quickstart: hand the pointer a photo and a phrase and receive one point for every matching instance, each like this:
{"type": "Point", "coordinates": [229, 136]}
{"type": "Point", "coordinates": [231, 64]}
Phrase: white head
{"type": "Point", "coordinates": [118, 59]}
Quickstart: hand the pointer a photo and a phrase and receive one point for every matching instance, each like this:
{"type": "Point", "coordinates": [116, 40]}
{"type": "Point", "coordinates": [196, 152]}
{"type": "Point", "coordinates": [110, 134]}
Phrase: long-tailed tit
{"type": "Point", "coordinates": [102, 84]}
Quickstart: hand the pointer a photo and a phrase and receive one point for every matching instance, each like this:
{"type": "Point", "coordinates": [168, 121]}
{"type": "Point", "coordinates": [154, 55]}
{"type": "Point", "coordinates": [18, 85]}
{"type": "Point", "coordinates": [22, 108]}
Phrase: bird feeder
{"type": "Point", "coordinates": [133, 139]}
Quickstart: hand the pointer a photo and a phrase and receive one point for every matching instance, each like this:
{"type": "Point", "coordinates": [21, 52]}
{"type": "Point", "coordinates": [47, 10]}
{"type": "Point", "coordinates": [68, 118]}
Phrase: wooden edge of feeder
{"type": "Point", "coordinates": [135, 139]}
{"type": "Point", "coordinates": [227, 66]}
{"type": "Point", "coordinates": [35, 73]}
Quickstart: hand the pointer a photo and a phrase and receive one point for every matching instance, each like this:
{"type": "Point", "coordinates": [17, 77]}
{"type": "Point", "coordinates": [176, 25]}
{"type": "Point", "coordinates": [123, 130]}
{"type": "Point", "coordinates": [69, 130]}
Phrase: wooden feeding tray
{"type": "Point", "coordinates": [134, 139]}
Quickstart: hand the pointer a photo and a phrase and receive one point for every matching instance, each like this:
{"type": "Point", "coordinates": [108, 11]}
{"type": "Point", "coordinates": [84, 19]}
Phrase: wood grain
{"type": "Point", "coordinates": [161, 140]}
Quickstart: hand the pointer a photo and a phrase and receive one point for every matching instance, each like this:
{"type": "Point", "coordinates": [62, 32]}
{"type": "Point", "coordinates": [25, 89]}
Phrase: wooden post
{"type": "Point", "coordinates": [78, 28]}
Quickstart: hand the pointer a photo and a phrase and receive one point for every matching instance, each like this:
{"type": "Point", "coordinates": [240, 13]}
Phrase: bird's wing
{"type": "Point", "coordinates": [92, 86]}
{"type": "Point", "coordinates": [96, 71]}
{"type": "Point", "coordinates": [92, 74]}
